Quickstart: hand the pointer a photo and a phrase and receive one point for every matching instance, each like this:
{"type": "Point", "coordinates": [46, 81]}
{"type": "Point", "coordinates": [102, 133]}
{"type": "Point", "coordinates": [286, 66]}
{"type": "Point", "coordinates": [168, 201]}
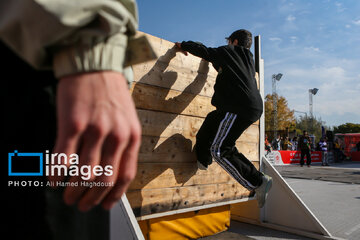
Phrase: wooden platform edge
{"type": "Point", "coordinates": [191, 209]}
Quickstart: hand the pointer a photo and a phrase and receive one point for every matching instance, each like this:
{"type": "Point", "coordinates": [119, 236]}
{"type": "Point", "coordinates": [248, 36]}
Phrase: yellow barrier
{"type": "Point", "coordinates": [191, 225]}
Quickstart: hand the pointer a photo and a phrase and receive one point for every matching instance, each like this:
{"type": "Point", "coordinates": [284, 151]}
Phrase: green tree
{"type": "Point", "coordinates": [311, 125]}
{"type": "Point", "coordinates": [347, 128]}
{"type": "Point", "coordinates": [286, 118]}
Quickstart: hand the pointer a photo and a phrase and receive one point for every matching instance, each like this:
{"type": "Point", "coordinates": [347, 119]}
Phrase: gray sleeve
{"type": "Point", "coordinates": [70, 36]}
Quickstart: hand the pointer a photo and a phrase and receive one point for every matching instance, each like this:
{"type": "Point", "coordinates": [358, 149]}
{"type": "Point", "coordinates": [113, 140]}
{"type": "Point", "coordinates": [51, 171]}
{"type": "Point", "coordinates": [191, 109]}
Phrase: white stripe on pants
{"type": "Point", "coordinates": [223, 130]}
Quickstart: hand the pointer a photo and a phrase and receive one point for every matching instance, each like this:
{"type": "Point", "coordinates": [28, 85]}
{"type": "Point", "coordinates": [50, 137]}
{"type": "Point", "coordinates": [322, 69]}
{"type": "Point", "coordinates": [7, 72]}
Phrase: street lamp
{"type": "Point", "coordinates": [275, 77]}
{"type": "Point", "coordinates": [311, 93]}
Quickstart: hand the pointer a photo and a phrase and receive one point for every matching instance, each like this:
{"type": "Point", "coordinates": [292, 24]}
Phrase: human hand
{"type": "Point", "coordinates": [97, 119]}
{"type": "Point", "coordinates": [178, 48]}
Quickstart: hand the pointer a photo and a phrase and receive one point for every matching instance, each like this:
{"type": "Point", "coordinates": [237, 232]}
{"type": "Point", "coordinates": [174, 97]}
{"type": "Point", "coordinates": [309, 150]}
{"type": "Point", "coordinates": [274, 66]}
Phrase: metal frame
{"type": "Point", "coordinates": [259, 67]}
{"type": "Point", "coordinates": [123, 224]}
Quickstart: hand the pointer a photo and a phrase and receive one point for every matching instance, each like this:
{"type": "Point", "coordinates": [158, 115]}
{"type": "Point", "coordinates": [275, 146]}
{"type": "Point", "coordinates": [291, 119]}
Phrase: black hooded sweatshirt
{"type": "Point", "coordinates": [235, 87]}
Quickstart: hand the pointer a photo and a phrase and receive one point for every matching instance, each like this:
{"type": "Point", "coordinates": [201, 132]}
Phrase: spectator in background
{"type": "Point", "coordinates": [267, 145]}
{"type": "Point", "coordinates": [324, 151]}
{"type": "Point", "coordinates": [294, 144]}
{"type": "Point", "coordinates": [287, 144]}
{"type": "Point", "coordinates": [276, 143]}
{"type": "Point", "coordinates": [337, 151]}
{"type": "Point", "coordinates": [305, 147]}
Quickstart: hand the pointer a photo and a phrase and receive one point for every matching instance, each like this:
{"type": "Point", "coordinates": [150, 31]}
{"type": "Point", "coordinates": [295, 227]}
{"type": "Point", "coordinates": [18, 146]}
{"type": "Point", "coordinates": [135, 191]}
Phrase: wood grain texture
{"type": "Point", "coordinates": [175, 71]}
{"type": "Point", "coordinates": [178, 149]}
{"type": "Point", "coordinates": [167, 175]}
{"type": "Point", "coordinates": [167, 124]}
{"type": "Point", "coordinates": [150, 201]}
{"type": "Point", "coordinates": [171, 101]}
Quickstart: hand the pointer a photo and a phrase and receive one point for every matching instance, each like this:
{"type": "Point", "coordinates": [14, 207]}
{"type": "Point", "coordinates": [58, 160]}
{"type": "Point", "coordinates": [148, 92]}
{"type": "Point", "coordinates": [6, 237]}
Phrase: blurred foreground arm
{"type": "Point", "coordinates": [84, 42]}
{"type": "Point", "coordinates": [97, 119]}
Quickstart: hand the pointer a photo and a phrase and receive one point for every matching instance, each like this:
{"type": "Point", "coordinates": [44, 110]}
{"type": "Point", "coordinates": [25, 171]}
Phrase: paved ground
{"type": "Point", "coordinates": [332, 193]}
{"type": "Point", "coordinates": [335, 199]}
{"type": "Point", "coordinates": [243, 231]}
{"type": "Point", "coordinates": [336, 205]}
{"type": "Point", "coordinates": [260, 233]}
{"type": "Point", "coordinates": [347, 172]}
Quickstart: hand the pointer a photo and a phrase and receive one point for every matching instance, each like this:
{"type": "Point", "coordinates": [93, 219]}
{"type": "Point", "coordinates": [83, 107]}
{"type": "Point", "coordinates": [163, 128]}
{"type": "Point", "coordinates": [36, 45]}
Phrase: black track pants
{"type": "Point", "coordinates": [216, 140]}
{"type": "Point", "coordinates": [305, 152]}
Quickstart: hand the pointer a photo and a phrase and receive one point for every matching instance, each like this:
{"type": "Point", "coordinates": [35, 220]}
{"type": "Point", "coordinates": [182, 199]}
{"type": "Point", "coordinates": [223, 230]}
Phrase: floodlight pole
{"type": "Point", "coordinates": [275, 77]}
{"type": "Point", "coordinates": [310, 104]}
{"type": "Point", "coordinates": [311, 93]}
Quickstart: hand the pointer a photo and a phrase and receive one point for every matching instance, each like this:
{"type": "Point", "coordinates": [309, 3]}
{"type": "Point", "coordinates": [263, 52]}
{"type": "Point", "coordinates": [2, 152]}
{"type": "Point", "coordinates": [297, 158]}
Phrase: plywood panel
{"type": "Point", "coordinates": [150, 201]}
{"type": "Point", "coordinates": [165, 175]}
{"type": "Point", "coordinates": [180, 149]}
{"type": "Point", "coordinates": [172, 79]}
{"type": "Point", "coordinates": [171, 101]}
{"type": "Point", "coordinates": [167, 124]}
{"type": "Point", "coordinates": [186, 64]}
{"type": "Point", "coordinates": [147, 97]}
{"type": "Point", "coordinates": [175, 71]}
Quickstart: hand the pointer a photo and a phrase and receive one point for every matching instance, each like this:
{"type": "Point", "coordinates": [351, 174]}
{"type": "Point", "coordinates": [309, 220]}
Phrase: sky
{"type": "Point", "coordinates": [313, 43]}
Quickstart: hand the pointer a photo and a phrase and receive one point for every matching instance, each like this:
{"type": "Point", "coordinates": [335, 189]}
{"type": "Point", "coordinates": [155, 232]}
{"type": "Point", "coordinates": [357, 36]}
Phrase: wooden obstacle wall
{"type": "Point", "coordinates": [172, 96]}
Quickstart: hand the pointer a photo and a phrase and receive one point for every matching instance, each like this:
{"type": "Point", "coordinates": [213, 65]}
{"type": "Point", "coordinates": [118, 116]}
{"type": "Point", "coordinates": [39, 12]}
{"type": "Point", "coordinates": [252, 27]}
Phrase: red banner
{"type": "Point", "coordinates": [289, 157]}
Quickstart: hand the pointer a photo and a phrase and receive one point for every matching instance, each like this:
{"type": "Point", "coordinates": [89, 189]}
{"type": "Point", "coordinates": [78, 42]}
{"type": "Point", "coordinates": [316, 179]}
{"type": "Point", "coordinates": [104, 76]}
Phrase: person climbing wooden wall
{"type": "Point", "coordinates": [172, 95]}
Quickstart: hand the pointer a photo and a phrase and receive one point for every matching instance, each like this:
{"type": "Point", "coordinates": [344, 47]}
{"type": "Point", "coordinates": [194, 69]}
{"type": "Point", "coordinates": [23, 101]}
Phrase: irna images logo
{"type": "Point", "coordinates": [25, 164]}
{"type": "Point", "coordinates": [53, 164]}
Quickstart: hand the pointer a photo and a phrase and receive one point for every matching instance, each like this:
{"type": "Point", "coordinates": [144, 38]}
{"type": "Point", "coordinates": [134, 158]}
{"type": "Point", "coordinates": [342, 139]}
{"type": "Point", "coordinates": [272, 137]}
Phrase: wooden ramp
{"type": "Point", "coordinates": [283, 210]}
{"type": "Point", "coordinates": [172, 96]}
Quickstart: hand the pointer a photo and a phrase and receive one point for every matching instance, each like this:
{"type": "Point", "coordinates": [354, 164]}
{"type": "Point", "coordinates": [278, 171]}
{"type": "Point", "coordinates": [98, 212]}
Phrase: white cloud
{"type": "Point", "coordinates": [314, 49]}
{"type": "Point", "coordinates": [275, 39]}
{"type": "Point", "coordinates": [339, 6]}
{"type": "Point", "coordinates": [347, 26]}
{"type": "Point", "coordinates": [356, 22]}
{"type": "Point", "coordinates": [293, 39]}
{"type": "Point", "coordinates": [290, 18]}
{"type": "Point", "coordinates": [338, 90]}
{"type": "Point", "coordinates": [337, 79]}
{"type": "Point", "coordinates": [257, 26]}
